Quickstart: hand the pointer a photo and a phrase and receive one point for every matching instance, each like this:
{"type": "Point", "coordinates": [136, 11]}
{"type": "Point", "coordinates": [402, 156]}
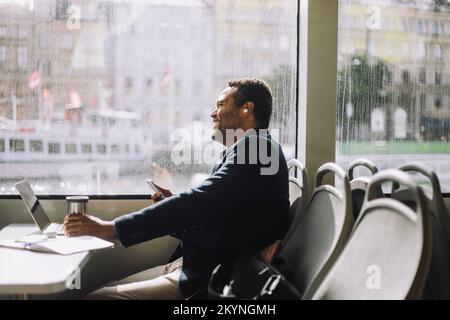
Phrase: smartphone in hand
{"type": "Point", "coordinates": [155, 188]}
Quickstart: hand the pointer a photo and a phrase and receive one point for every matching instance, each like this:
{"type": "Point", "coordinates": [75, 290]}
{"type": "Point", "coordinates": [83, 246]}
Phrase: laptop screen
{"type": "Point", "coordinates": [33, 206]}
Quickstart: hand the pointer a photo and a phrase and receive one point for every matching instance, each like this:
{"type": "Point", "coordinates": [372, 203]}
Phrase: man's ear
{"type": "Point", "coordinates": [248, 108]}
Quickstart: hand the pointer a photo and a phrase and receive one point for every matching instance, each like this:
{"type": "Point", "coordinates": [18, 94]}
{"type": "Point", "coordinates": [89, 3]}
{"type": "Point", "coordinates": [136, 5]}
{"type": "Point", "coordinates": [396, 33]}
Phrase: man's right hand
{"type": "Point", "coordinates": [156, 197]}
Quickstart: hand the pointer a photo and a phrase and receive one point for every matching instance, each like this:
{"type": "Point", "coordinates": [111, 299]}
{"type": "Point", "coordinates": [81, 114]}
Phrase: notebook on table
{"type": "Point", "coordinates": [59, 245]}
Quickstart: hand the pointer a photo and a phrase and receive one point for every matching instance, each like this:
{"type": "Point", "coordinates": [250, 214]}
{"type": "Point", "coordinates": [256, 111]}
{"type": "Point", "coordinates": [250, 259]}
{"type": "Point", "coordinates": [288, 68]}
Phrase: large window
{"type": "Point", "coordinates": [100, 94]}
{"type": "Point", "coordinates": [408, 118]}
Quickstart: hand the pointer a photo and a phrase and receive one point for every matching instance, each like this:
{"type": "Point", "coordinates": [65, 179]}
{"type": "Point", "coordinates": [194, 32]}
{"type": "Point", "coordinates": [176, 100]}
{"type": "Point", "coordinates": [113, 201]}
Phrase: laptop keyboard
{"type": "Point", "coordinates": [55, 227]}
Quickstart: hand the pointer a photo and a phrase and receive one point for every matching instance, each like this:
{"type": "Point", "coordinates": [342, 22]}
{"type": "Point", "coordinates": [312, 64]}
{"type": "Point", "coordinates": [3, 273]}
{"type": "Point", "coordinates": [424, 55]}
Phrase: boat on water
{"type": "Point", "coordinates": [105, 142]}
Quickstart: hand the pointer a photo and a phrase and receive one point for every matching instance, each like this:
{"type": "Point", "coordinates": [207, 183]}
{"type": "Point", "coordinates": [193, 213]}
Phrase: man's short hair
{"type": "Point", "coordinates": [258, 92]}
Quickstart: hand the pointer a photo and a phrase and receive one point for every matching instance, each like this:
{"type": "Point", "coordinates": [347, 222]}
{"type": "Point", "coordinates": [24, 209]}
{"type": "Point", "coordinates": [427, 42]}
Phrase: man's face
{"type": "Point", "coordinates": [226, 114]}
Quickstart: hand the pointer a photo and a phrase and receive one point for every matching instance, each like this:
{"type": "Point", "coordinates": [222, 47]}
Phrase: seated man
{"type": "Point", "coordinates": [241, 208]}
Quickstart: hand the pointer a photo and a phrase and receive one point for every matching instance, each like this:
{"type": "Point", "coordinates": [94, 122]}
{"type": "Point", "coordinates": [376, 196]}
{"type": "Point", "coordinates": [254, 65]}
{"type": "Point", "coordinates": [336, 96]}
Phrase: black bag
{"type": "Point", "coordinates": [250, 278]}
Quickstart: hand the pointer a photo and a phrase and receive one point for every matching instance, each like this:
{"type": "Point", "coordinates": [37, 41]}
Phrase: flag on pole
{"type": "Point", "coordinates": [75, 101]}
{"type": "Point", "coordinates": [166, 79]}
{"type": "Point", "coordinates": [34, 79]}
{"type": "Point", "coordinates": [48, 105]}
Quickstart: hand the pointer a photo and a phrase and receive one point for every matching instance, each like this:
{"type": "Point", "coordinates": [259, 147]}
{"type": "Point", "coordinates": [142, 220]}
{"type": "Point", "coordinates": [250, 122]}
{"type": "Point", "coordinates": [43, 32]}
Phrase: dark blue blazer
{"type": "Point", "coordinates": [239, 208]}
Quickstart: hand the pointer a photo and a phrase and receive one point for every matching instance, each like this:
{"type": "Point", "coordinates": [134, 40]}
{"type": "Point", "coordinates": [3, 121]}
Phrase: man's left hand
{"type": "Point", "coordinates": [83, 224]}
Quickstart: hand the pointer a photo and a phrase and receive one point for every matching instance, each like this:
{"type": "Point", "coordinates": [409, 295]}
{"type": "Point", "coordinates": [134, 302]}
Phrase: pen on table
{"type": "Point", "coordinates": [27, 245]}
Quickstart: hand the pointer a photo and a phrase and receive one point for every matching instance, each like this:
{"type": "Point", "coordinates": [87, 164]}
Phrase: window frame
{"type": "Point", "coordinates": [327, 147]}
{"type": "Point", "coordinates": [316, 91]}
{"type": "Point", "coordinates": [320, 102]}
{"type": "Point", "coordinates": [317, 84]}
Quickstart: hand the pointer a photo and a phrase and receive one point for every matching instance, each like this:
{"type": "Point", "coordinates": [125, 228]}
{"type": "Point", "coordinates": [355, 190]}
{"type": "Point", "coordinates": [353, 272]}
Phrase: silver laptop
{"type": "Point", "coordinates": [35, 209]}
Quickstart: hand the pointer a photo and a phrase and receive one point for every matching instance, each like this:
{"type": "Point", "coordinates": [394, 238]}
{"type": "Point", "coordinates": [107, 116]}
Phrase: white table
{"type": "Point", "coordinates": [25, 272]}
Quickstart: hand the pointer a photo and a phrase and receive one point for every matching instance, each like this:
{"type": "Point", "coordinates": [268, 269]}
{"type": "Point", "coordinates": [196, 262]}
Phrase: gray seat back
{"type": "Point", "coordinates": [316, 240]}
{"type": "Point", "coordinates": [298, 190]}
{"type": "Point", "coordinates": [388, 253]}
{"type": "Point", "coordinates": [438, 281]}
{"type": "Point", "coordinates": [358, 185]}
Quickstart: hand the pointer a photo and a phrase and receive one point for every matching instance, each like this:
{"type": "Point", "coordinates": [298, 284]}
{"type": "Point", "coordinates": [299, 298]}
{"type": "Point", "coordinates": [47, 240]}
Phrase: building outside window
{"type": "Point", "coordinates": [2, 54]}
{"type": "Point", "coordinates": [22, 57]}
{"type": "Point", "coordinates": [121, 92]}
{"type": "Point", "coordinates": [410, 126]}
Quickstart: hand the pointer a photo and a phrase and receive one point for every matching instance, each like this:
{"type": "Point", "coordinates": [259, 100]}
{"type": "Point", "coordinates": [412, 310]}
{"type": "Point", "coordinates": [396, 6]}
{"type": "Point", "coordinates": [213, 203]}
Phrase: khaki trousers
{"type": "Point", "coordinates": [156, 283]}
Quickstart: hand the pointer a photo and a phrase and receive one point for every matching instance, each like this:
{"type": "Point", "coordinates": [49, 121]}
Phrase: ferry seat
{"type": "Point", "coordinates": [389, 251]}
{"type": "Point", "coordinates": [314, 242]}
{"type": "Point", "coordinates": [358, 185]}
{"type": "Point", "coordinates": [438, 281]}
{"type": "Point", "coordinates": [298, 193]}
{"type": "Point", "coordinates": [298, 190]}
